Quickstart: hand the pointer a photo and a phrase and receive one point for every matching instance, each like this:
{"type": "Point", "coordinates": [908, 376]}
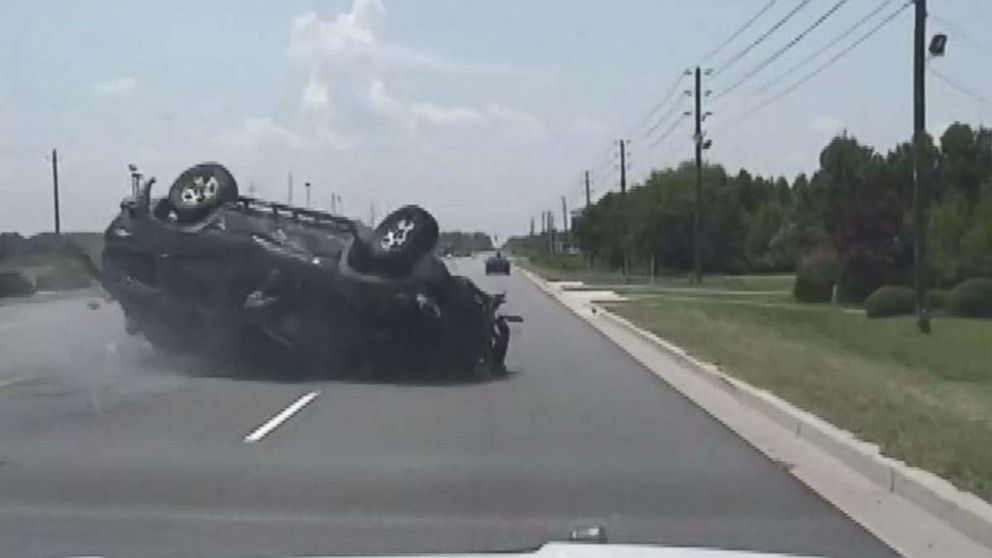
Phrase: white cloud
{"type": "Point", "coordinates": [383, 103]}
{"type": "Point", "coordinates": [586, 126]}
{"type": "Point", "coordinates": [417, 113]}
{"type": "Point", "coordinates": [336, 141]}
{"type": "Point", "coordinates": [313, 37]}
{"type": "Point", "coordinates": [407, 57]}
{"type": "Point", "coordinates": [825, 123]}
{"type": "Point", "coordinates": [443, 116]}
{"type": "Point", "coordinates": [521, 123]}
{"type": "Point", "coordinates": [120, 87]}
{"type": "Point", "coordinates": [257, 131]}
{"type": "Point", "coordinates": [316, 97]}
{"type": "Point", "coordinates": [350, 37]}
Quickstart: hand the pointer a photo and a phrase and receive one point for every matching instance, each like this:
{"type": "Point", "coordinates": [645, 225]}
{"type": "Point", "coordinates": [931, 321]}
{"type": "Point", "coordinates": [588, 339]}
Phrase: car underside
{"type": "Point", "coordinates": [210, 272]}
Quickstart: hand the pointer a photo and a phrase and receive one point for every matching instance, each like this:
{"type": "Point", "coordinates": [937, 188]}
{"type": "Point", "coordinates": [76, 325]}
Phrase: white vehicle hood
{"type": "Point", "coordinates": [594, 550]}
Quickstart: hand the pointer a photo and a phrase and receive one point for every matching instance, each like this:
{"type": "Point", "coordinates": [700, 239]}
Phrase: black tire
{"type": "Point", "coordinates": [401, 239]}
{"type": "Point", "coordinates": [200, 189]}
{"type": "Point", "coordinates": [500, 344]}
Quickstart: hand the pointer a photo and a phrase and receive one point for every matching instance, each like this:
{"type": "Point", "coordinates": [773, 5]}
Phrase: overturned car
{"type": "Point", "coordinates": [209, 271]}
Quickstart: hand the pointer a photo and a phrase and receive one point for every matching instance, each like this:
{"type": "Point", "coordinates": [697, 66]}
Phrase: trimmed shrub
{"type": "Point", "coordinates": [862, 272]}
{"type": "Point", "coordinates": [971, 298]}
{"type": "Point", "coordinates": [816, 276]}
{"type": "Point", "coordinates": [937, 299]}
{"type": "Point", "coordinates": [14, 283]}
{"type": "Point", "coordinates": [890, 300]}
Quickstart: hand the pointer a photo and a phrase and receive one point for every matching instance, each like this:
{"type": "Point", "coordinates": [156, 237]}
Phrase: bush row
{"type": "Point", "coordinates": [819, 275]}
{"type": "Point", "coordinates": [971, 298]}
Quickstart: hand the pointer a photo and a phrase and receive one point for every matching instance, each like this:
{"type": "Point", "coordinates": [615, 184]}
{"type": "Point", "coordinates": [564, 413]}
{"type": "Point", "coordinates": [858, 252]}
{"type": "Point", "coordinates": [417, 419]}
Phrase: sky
{"type": "Point", "coordinates": [484, 112]}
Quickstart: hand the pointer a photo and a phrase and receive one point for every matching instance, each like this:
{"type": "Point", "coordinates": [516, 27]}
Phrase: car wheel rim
{"type": "Point", "coordinates": [199, 191]}
{"type": "Point", "coordinates": [397, 236]}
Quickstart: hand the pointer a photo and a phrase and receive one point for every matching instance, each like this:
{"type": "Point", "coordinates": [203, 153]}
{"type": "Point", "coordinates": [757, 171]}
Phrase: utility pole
{"type": "Point", "coordinates": [922, 171]}
{"type": "Point", "coordinates": [701, 144]}
{"type": "Point", "coordinates": [564, 216]}
{"type": "Point", "coordinates": [551, 232]}
{"type": "Point", "coordinates": [55, 190]}
{"type": "Point", "coordinates": [372, 214]}
{"type": "Point", "coordinates": [289, 194]}
{"type": "Point", "coordinates": [588, 196]}
{"type": "Point", "coordinates": [697, 259]}
{"type": "Point", "coordinates": [623, 206]}
{"type": "Point", "coordinates": [531, 225]}
{"type": "Point", "coordinates": [307, 186]}
{"type": "Point", "coordinates": [623, 166]}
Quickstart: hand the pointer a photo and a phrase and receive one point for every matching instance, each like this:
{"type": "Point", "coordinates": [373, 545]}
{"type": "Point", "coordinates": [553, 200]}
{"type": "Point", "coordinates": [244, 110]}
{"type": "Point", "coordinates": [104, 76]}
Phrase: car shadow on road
{"type": "Point", "coordinates": [294, 373]}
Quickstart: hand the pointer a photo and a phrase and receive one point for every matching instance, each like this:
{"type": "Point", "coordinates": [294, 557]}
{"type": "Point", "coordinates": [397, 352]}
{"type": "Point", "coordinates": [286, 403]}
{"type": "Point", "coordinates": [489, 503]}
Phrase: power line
{"type": "Point", "coordinates": [661, 120]}
{"type": "Point", "coordinates": [960, 88]}
{"type": "Point", "coordinates": [764, 36]}
{"type": "Point", "coordinates": [737, 33]}
{"type": "Point", "coordinates": [764, 63]}
{"type": "Point", "coordinates": [668, 95]}
{"type": "Point", "coordinates": [824, 66]}
{"type": "Point", "coordinates": [667, 133]}
{"type": "Point", "coordinates": [826, 47]}
{"type": "Point", "coordinates": [678, 81]}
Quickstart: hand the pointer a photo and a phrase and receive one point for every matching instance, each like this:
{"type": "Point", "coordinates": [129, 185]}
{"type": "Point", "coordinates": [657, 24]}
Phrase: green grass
{"type": "Point", "coordinates": [52, 267]}
{"type": "Point", "coordinates": [924, 399]}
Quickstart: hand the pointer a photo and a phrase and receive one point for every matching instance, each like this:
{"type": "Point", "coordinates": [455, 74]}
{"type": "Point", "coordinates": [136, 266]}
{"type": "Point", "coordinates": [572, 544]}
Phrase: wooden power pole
{"type": "Point", "coordinates": [55, 192]}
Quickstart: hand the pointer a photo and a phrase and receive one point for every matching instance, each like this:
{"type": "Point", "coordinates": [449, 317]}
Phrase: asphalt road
{"type": "Point", "coordinates": [109, 448]}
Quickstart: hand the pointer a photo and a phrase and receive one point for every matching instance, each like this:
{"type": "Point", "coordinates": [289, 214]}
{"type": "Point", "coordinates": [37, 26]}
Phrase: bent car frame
{"type": "Point", "coordinates": [208, 271]}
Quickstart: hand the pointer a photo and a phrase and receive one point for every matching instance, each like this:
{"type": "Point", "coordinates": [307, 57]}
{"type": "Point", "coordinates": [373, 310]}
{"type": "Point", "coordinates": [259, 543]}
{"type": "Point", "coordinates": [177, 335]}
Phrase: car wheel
{"type": "Point", "coordinates": [200, 189]}
{"type": "Point", "coordinates": [500, 344]}
{"type": "Point", "coordinates": [401, 239]}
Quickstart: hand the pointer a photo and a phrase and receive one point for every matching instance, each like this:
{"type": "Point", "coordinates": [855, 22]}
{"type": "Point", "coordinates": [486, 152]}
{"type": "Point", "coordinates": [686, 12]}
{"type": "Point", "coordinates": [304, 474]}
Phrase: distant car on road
{"type": "Point", "coordinates": [497, 264]}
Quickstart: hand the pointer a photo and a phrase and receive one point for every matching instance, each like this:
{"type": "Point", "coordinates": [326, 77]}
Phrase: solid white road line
{"type": "Point", "coordinates": [282, 417]}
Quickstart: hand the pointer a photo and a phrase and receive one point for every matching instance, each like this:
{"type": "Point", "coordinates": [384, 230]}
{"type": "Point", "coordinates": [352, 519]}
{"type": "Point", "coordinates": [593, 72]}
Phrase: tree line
{"type": "Point", "coordinates": [857, 205]}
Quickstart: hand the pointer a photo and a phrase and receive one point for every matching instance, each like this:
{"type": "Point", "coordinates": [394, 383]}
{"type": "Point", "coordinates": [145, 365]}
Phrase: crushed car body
{"type": "Point", "coordinates": [208, 271]}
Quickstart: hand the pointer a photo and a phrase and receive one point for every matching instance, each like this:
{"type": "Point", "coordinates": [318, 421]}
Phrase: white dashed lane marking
{"type": "Point", "coordinates": [274, 422]}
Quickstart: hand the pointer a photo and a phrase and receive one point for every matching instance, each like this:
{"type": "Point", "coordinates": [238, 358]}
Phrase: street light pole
{"type": "Point", "coordinates": [921, 170]}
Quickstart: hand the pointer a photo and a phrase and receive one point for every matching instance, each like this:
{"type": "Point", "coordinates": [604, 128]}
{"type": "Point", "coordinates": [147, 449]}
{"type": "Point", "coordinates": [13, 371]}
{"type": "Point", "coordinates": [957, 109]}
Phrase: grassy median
{"type": "Point", "coordinates": [925, 399]}
{"type": "Point", "coordinates": [640, 279]}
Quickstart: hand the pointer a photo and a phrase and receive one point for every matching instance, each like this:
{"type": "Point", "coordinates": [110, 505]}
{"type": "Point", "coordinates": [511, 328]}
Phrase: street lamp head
{"type": "Point", "coordinates": [938, 44]}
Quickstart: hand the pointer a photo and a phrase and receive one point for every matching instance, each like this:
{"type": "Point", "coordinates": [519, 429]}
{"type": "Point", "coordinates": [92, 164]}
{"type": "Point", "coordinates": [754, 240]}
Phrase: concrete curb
{"type": "Point", "coordinates": [963, 511]}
